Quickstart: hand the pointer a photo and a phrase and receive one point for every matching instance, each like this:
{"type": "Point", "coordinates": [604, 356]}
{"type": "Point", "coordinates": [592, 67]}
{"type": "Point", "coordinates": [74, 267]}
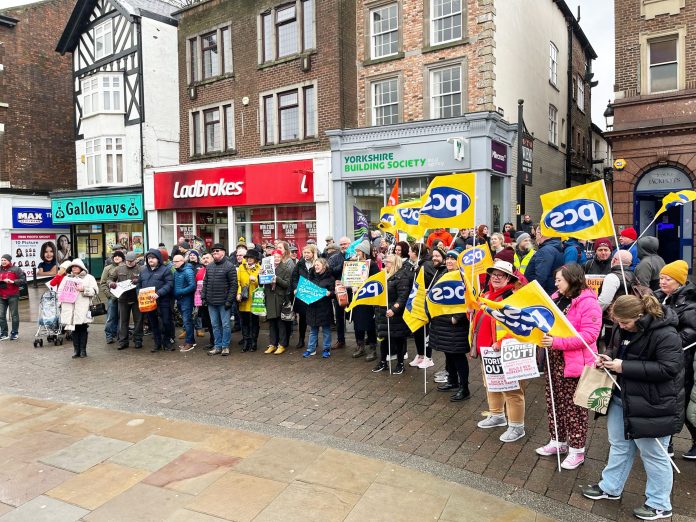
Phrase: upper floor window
{"type": "Point", "coordinates": [104, 160]}
{"type": "Point", "coordinates": [446, 92]}
{"type": "Point", "coordinates": [289, 115]}
{"type": "Point", "coordinates": [385, 101]}
{"type": "Point", "coordinates": [580, 98]}
{"type": "Point", "coordinates": [286, 30]}
{"type": "Point", "coordinates": [384, 31]}
{"type": "Point", "coordinates": [210, 54]}
{"type": "Point", "coordinates": [553, 63]}
{"type": "Point", "coordinates": [663, 64]}
{"type": "Point", "coordinates": [102, 93]}
{"type": "Point", "coordinates": [103, 40]}
{"type": "Point", "coordinates": [445, 21]}
{"type": "Point", "coordinates": [212, 130]}
{"type": "Point", "coordinates": [553, 125]}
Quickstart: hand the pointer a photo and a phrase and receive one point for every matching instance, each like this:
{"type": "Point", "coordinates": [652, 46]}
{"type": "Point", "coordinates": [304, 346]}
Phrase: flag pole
{"type": "Point", "coordinates": [553, 410]}
{"type": "Point", "coordinates": [645, 229]}
{"type": "Point", "coordinates": [616, 239]}
{"type": "Point", "coordinates": [386, 297]}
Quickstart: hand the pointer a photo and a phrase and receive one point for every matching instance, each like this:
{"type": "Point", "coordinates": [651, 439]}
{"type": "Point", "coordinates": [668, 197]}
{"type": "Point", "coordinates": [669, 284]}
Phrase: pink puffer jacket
{"type": "Point", "coordinates": [585, 315]}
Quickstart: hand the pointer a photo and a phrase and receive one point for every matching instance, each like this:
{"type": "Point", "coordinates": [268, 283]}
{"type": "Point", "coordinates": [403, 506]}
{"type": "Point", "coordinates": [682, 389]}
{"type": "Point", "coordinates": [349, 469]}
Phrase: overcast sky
{"type": "Point", "coordinates": [596, 20]}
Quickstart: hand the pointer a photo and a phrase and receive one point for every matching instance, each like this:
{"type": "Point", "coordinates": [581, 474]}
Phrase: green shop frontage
{"type": "Point", "coordinates": [100, 222]}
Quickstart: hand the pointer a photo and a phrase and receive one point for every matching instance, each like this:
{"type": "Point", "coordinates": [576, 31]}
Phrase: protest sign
{"type": "Point", "coordinates": [355, 273]}
{"type": "Point", "coordinates": [595, 281]}
{"type": "Point", "coordinates": [147, 299]}
{"type": "Point", "coordinates": [69, 292]}
{"type": "Point", "coordinates": [122, 287]}
{"type": "Point", "coordinates": [267, 272]}
{"type": "Point", "coordinates": [518, 360]}
{"type": "Point", "coordinates": [308, 292]}
{"type": "Point", "coordinates": [492, 367]}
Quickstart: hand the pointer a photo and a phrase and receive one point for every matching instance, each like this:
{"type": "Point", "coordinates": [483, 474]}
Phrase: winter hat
{"type": "Point", "coordinates": [453, 254]}
{"type": "Point", "coordinates": [503, 266]}
{"type": "Point", "coordinates": [507, 254]}
{"type": "Point", "coordinates": [131, 256]}
{"type": "Point", "coordinates": [521, 236]}
{"type": "Point", "coordinates": [66, 264]}
{"type": "Point", "coordinates": [441, 250]}
{"type": "Point", "coordinates": [219, 246]}
{"type": "Point", "coordinates": [602, 241]}
{"type": "Point", "coordinates": [252, 253]}
{"type": "Point", "coordinates": [678, 271]}
{"type": "Point", "coordinates": [7, 256]}
{"type": "Point", "coordinates": [630, 233]}
{"type": "Point", "coordinates": [364, 247]}
{"type": "Point", "coordinates": [195, 253]}
{"type": "Point", "coordinates": [118, 253]}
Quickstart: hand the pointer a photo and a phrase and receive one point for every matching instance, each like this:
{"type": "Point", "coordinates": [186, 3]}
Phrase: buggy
{"type": "Point", "coordinates": [49, 320]}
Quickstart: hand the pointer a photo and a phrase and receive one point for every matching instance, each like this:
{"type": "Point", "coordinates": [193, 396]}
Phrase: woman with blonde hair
{"type": "Point", "coordinates": [645, 354]}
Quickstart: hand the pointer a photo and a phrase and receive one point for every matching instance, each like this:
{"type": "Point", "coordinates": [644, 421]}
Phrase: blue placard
{"type": "Point", "coordinates": [98, 209]}
{"type": "Point", "coordinates": [32, 217]}
{"type": "Point", "coordinates": [308, 292]}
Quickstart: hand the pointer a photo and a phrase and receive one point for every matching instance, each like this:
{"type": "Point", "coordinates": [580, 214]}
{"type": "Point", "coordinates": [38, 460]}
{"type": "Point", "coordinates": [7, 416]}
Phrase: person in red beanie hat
{"type": "Point", "coordinates": [600, 264]}
{"type": "Point", "coordinates": [627, 241]}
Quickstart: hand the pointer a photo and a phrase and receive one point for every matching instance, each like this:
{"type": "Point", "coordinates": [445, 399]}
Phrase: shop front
{"type": "Point", "coordinates": [227, 202]}
{"type": "Point", "coordinates": [366, 163]}
{"type": "Point", "coordinates": [100, 223]}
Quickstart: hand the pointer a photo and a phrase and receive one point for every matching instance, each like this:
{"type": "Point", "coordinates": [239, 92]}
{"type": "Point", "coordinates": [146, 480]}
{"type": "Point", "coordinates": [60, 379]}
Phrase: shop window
{"type": "Point", "coordinates": [210, 54]}
{"type": "Point", "coordinates": [287, 30]}
{"type": "Point", "coordinates": [445, 21]}
{"type": "Point", "coordinates": [125, 237]}
{"type": "Point", "coordinates": [384, 31]}
{"type": "Point", "coordinates": [294, 224]}
{"type": "Point", "coordinates": [102, 93]}
{"type": "Point", "coordinates": [289, 114]}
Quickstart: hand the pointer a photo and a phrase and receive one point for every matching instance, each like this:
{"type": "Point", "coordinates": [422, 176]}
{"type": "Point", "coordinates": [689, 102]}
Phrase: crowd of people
{"type": "Point", "coordinates": [640, 324]}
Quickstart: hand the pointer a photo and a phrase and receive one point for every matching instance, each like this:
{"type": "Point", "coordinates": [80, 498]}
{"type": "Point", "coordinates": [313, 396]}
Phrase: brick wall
{"type": "Point", "coordinates": [37, 149]}
{"type": "Point", "coordinates": [330, 67]}
{"type": "Point", "coordinates": [581, 161]}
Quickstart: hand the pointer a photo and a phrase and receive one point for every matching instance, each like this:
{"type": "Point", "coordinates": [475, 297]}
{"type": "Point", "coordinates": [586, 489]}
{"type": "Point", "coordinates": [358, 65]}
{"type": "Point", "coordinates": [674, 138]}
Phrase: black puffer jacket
{"type": "Point", "coordinates": [398, 288]}
{"type": "Point", "coordinates": [449, 333]}
{"type": "Point", "coordinates": [320, 313]}
{"type": "Point", "coordinates": [161, 278]}
{"type": "Point", "coordinates": [364, 316]}
{"type": "Point", "coordinates": [652, 377]}
{"type": "Point", "coordinates": [300, 269]}
{"type": "Point", "coordinates": [220, 283]}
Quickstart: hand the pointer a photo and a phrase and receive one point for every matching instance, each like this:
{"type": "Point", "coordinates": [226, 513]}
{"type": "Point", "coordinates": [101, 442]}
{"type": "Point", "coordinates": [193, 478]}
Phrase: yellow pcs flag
{"type": "Point", "coordinates": [449, 202]}
{"type": "Point", "coordinates": [447, 295]}
{"type": "Point", "coordinates": [406, 217]}
{"type": "Point", "coordinates": [475, 260]}
{"type": "Point", "coordinates": [675, 199]}
{"type": "Point", "coordinates": [581, 212]}
{"type": "Point", "coordinates": [387, 221]}
{"type": "Point", "coordinates": [414, 311]}
{"type": "Point", "coordinates": [372, 292]}
{"type": "Point", "coordinates": [528, 314]}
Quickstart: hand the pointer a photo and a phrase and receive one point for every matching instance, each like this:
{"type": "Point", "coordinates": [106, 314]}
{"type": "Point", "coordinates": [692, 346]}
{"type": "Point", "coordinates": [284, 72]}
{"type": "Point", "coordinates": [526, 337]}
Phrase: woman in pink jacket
{"type": "Point", "coordinates": [567, 358]}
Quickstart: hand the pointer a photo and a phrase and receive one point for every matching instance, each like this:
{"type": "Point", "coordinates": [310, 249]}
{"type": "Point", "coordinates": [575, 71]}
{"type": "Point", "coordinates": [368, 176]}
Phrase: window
{"type": "Point", "coordinates": [102, 93]}
{"type": "Point", "coordinates": [384, 31]}
{"type": "Point", "coordinates": [553, 125]}
{"type": "Point", "coordinates": [663, 65]}
{"type": "Point", "coordinates": [287, 30]}
{"type": "Point", "coordinates": [581, 94]}
{"type": "Point", "coordinates": [553, 63]}
{"type": "Point", "coordinates": [385, 101]}
{"type": "Point", "coordinates": [103, 40]}
{"type": "Point", "coordinates": [104, 160]}
{"type": "Point", "coordinates": [212, 129]}
{"type": "Point", "coordinates": [445, 21]}
{"type": "Point", "coordinates": [446, 92]}
{"type": "Point", "coordinates": [289, 115]}
{"type": "Point", "coordinates": [210, 54]}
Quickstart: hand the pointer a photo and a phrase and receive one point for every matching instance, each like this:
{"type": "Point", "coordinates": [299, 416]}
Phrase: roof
{"type": "Point", "coordinates": [155, 9]}
{"type": "Point", "coordinates": [570, 17]}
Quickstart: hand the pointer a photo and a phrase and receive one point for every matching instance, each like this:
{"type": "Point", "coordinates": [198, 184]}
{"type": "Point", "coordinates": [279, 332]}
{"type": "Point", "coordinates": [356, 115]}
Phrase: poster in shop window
{"type": "Point", "coordinates": [37, 251]}
{"type": "Point", "coordinates": [267, 271]}
{"type": "Point", "coordinates": [518, 360]}
{"type": "Point", "coordinates": [493, 369]}
{"type": "Point", "coordinates": [137, 238]}
{"type": "Point", "coordinates": [124, 241]}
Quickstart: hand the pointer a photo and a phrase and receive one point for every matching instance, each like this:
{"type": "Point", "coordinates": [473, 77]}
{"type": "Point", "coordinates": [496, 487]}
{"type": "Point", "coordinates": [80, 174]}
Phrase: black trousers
{"type": "Point", "coordinates": [124, 312]}
{"type": "Point", "coordinates": [302, 324]}
{"type": "Point", "coordinates": [419, 338]}
{"type": "Point", "coordinates": [340, 314]}
{"type": "Point", "coordinates": [457, 366]}
{"type": "Point", "coordinates": [398, 347]}
{"type": "Point", "coordinates": [250, 329]}
{"type": "Point", "coordinates": [371, 335]}
{"type": "Point", "coordinates": [79, 339]}
{"type": "Point", "coordinates": [279, 332]}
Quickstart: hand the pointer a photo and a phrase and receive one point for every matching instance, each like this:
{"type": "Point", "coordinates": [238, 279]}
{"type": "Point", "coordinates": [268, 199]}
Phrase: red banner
{"type": "Point", "coordinates": [264, 184]}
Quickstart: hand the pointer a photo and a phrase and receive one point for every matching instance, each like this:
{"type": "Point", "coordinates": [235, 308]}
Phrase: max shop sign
{"type": "Point", "coordinates": [244, 185]}
{"type": "Point", "coordinates": [32, 217]}
{"type": "Point", "coordinates": [97, 209]}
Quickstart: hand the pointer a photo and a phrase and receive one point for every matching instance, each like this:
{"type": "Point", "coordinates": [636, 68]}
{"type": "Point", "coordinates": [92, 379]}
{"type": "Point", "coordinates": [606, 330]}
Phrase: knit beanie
{"type": "Point", "coordinates": [678, 271]}
{"type": "Point", "coordinates": [441, 250]}
{"type": "Point", "coordinates": [364, 247]}
{"type": "Point", "coordinates": [506, 254]}
{"type": "Point", "coordinates": [521, 236]}
{"type": "Point", "coordinates": [602, 241]}
{"type": "Point", "coordinates": [630, 233]}
{"type": "Point", "coordinates": [7, 256]}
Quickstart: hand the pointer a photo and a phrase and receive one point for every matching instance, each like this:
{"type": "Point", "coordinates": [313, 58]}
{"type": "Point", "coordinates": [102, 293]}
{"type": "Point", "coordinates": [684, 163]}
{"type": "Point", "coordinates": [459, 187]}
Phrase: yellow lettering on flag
{"type": "Point", "coordinates": [372, 292]}
{"type": "Point", "coordinates": [581, 212]}
{"type": "Point", "coordinates": [449, 202]}
{"type": "Point", "coordinates": [414, 311]}
{"type": "Point", "coordinates": [674, 199]}
{"type": "Point", "coordinates": [528, 314]}
{"type": "Point", "coordinates": [387, 221]}
{"type": "Point", "coordinates": [475, 261]}
{"type": "Point", "coordinates": [447, 295]}
{"type": "Point", "coordinates": [406, 217]}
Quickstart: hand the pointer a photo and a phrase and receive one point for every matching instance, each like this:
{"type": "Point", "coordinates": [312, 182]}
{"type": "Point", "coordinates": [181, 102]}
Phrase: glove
{"type": "Point", "coordinates": [228, 306]}
{"type": "Point", "coordinates": [112, 285]}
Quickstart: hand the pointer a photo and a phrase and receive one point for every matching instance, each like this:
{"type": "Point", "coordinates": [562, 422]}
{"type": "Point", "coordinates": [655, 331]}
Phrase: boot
{"type": "Point", "coordinates": [359, 350]}
{"type": "Point", "coordinates": [371, 353]}
{"type": "Point", "coordinates": [461, 395]}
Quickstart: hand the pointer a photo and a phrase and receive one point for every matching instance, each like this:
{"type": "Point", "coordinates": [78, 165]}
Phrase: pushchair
{"type": "Point", "coordinates": [49, 320]}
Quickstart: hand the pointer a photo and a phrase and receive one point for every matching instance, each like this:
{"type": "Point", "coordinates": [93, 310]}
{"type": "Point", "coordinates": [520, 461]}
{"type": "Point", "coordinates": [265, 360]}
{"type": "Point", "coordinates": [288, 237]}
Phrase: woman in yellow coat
{"type": "Point", "coordinates": [247, 282]}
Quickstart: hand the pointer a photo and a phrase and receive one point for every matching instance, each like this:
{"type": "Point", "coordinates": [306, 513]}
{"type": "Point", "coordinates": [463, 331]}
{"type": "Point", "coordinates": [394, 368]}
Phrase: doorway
{"type": "Point", "coordinates": [90, 250]}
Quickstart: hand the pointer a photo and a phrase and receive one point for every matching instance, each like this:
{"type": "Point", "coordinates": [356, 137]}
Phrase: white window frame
{"type": "Point", "coordinates": [227, 132]}
{"type": "Point", "coordinates": [301, 114]}
{"type": "Point", "coordinates": [94, 90]}
{"type": "Point", "coordinates": [100, 32]}
{"type": "Point", "coordinates": [650, 66]}
{"type": "Point", "coordinates": [580, 98]}
{"type": "Point", "coordinates": [648, 37]}
{"type": "Point", "coordinates": [100, 152]}
{"type": "Point", "coordinates": [431, 89]}
{"type": "Point", "coordinates": [374, 107]}
{"type": "Point", "coordinates": [194, 57]}
{"type": "Point", "coordinates": [553, 125]}
{"type": "Point", "coordinates": [553, 63]}
{"type": "Point", "coordinates": [305, 41]}
{"type": "Point", "coordinates": [433, 19]}
{"type": "Point", "coordinates": [373, 36]}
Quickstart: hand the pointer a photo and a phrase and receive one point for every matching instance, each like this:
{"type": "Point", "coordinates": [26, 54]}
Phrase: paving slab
{"type": "Point", "coordinates": [141, 502]}
{"type": "Point", "coordinates": [151, 453]}
{"type": "Point", "coordinates": [302, 502]}
{"type": "Point", "coordinates": [21, 481]}
{"type": "Point", "coordinates": [185, 515]}
{"type": "Point", "coordinates": [388, 503]}
{"type": "Point", "coordinates": [192, 472]}
{"type": "Point", "coordinates": [45, 509]}
{"type": "Point", "coordinates": [233, 442]}
{"type": "Point", "coordinates": [86, 453]}
{"type": "Point", "coordinates": [88, 421]}
{"type": "Point", "coordinates": [34, 446]}
{"type": "Point", "coordinates": [342, 470]}
{"type": "Point", "coordinates": [463, 505]}
{"type": "Point", "coordinates": [280, 459]}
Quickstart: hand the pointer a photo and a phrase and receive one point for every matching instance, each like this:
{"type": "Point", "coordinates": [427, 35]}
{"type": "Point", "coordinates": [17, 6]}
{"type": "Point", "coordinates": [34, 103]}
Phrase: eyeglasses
{"type": "Point", "coordinates": [498, 275]}
{"type": "Point", "coordinates": [217, 250]}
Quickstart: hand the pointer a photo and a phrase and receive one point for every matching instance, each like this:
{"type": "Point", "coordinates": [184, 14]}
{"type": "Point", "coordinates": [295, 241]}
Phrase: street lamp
{"type": "Point", "coordinates": [609, 116]}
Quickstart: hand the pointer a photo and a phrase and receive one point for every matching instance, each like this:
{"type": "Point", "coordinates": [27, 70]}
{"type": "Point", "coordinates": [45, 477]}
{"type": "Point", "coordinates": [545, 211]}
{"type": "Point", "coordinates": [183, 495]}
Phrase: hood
{"type": "Point", "coordinates": [553, 242]}
{"type": "Point", "coordinates": [647, 246]}
{"type": "Point", "coordinates": [195, 253]}
{"type": "Point", "coordinates": [77, 262]}
{"type": "Point", "coordinates": [648, 322]}
{"type": "Point", "coordinates": [154, 252]}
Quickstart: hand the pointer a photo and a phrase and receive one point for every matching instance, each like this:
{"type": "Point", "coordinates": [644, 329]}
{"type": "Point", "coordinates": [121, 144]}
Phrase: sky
{"type": "Point", "coordinates": [596, 20]}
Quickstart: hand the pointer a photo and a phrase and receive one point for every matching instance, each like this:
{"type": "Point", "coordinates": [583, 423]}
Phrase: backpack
{"type": "Point", "coordinates": [578, 255]}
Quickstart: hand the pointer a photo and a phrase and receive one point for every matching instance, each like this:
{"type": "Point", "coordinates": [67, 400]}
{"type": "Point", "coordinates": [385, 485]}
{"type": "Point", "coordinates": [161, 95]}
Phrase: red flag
{"type": "Point", "coordinates": [394, 198]}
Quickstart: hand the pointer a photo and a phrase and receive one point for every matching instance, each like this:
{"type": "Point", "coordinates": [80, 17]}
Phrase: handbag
{"type": "Point", "coordinates": [245, 292]}
{"type": "Point", "coordinates": [286, 312]}
{"type": "Point", "coordinates": [594, 390]}
{"type": "Point", "coordinates": [97, 309]}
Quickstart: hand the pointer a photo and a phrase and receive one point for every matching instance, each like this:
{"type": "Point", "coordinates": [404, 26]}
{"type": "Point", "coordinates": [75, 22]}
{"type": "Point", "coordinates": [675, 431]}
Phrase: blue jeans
{"type": "Point", "coordinates": [186, 309]}
{"type": "Point", "coordinates": [111, 326]}
{"type": "Point", "coordinates": [220, 320]}
{"type": "Point", "coordinates": [621, 454]}
{"type": "Point", "coordinates": [12, 303]}
{"type": "Point", "coordinates": [314, 337]}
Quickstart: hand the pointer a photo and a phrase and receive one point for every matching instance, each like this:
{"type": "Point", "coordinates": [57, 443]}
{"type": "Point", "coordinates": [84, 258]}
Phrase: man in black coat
{"type": "Point", "coordinates": [218, 293]}
{"type": "Point", "coordinates": [336, 267]}
{"type": "Point", "coordinates": [158, 275]}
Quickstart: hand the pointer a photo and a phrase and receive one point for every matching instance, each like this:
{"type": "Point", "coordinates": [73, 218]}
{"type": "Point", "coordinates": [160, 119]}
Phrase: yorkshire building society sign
{"type": "Point", "coordinates": [417, 158]}
{"type": "Point", "coordinates": [98, 209]}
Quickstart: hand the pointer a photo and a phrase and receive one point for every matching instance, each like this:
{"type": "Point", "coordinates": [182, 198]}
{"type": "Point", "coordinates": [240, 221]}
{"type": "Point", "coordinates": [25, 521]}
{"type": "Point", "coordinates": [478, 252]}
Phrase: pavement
{"type": "Point", "coordinates": [336, 404]}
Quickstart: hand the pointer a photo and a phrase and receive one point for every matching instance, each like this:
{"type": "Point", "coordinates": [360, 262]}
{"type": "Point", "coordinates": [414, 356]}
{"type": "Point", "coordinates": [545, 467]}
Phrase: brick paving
{"type": "Point", "coordinates": [338, 397]}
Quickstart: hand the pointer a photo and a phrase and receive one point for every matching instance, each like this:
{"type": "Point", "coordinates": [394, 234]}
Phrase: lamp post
{"type": "Point", "coordinates": [609, 116]}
